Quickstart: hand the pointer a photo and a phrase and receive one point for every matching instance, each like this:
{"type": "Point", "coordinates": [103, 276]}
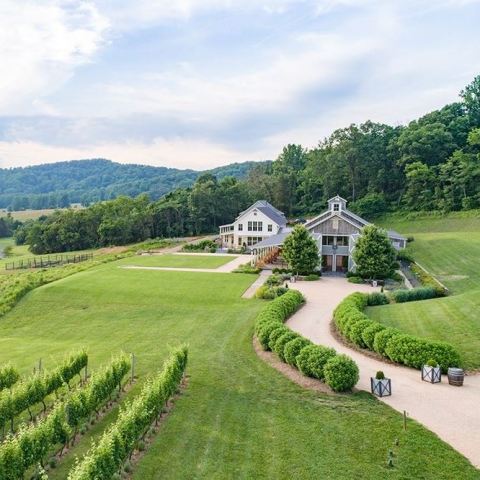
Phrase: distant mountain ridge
{"type": "Point", "coordinates": [84, 181]}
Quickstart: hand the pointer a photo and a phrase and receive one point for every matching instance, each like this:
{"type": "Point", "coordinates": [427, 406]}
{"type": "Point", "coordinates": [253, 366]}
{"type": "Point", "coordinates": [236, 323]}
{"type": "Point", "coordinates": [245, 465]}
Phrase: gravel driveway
{"type": "Point", "coordinates": [453, 413]}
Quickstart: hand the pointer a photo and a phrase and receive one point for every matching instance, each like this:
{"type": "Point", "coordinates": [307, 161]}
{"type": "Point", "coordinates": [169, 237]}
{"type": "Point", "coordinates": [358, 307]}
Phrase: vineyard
{"type": "Point", "coordinates": [49, 435]}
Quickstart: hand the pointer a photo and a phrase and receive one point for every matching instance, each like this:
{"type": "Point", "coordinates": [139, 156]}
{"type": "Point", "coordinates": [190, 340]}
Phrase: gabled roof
{"type": "Point", "coordinates": [267, 209]}
{"type": "Point", "coordinates": [336, 198]}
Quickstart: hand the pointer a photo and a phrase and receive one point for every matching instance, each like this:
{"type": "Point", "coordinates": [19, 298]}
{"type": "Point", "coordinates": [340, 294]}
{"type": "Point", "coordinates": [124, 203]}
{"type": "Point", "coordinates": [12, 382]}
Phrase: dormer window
{"type": "Point", "coordinates": [336, 207]}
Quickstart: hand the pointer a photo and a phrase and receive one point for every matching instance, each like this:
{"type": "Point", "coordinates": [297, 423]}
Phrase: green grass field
{"type": "Point", "coordinates": [238, 418]}
{"type": "Point", "coordinates": [449, 248]}
{"type": "Point", "coordinates": [179, 261]}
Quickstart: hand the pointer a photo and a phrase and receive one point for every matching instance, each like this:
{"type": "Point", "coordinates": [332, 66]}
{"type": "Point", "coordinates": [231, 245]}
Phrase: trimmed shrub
{"type": "Point", "coordinates": [356, 332]}
{"type": "Point", "coordinates": [274, 280]}
{"type": "Point", "coordinates": [282, 341]}
{"type": "Point", "coordinates": [275, 334]}
{"type": "Point", "coordinates": [293, 348]}
{"type": "Point", "coordinates": [412, 351]}
{"type": "Point", "coordinates": [377, 298]}
{"type": "Point", "coordinates": [298, 351]}
{"type": "Point", "coordinates": [413, 295]}
{"type": "Point", "coordinates": [416, 352]}
{"type": "Point", "coordinates": [368, 335]}
{"type": "Point", "coordinates": [356, 279]}
{"type": "Point", "coordinates": [312, 277]}
{"type": "Point", "coordinates": [382, 338]}
{"type": "Point", "coordinates": [341, 373]}
{"type": "Point", "coordinates": [405, 256]}
{"type": "Point", "coordinates": [265, 292]}
{"type": "Point", "coordinates": [312, 359]}
{"type": "Point", "coordinates": [263, 334]}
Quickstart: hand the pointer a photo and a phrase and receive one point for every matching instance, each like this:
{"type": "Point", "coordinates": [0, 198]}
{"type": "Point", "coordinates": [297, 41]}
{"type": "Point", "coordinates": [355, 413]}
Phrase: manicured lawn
{"type": "Point", "coordinates": [179, 261]}
{"type": "Point", "coordinates": [454, 319]}
{"type": "Point", "coordinates": [450, 249]}
{"type": "Point", "coordinates": [239, 418]}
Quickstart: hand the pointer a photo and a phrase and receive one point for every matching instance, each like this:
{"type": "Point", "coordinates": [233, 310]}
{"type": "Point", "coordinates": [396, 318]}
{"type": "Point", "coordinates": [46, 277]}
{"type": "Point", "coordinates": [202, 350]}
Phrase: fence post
{"type": "Point", "coordinates": [405, 420]}
{"type": "Point", "coordinates": [39, 365]}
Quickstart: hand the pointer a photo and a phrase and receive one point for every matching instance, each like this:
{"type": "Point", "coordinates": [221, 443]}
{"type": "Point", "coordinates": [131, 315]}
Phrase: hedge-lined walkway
{"type": "Point", "coordinates": [451, 412]}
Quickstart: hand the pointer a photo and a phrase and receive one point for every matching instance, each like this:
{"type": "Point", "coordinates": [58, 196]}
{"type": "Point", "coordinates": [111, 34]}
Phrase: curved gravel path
{"type": "Point", "coordinates": [453, 413]}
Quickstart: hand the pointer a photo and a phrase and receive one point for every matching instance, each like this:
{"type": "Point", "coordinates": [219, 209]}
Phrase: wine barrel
{"type": "Point", "coordinates": [456, 376]}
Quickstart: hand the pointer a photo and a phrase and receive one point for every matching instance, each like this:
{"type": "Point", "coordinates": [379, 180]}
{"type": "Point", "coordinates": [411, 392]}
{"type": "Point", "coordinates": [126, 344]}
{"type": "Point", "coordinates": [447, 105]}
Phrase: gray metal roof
{"type": "Point", "coordinates": [273, 241]}
{"type": "Point", "coordinates": [269, 210]}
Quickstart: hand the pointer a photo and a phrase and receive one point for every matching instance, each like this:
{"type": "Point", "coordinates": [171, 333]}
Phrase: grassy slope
{"type": "Point", "coordinates": [179, 261]}
{"type": "Point", "coordinates": [449, 248]}
{"type": "Point", "coordinates": [239, 418]}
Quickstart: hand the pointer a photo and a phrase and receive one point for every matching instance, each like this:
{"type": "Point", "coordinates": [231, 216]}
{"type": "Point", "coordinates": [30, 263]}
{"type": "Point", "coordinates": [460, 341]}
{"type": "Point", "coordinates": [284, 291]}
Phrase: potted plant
{"type": "Point", "coordinates": [431, 372]}
{"type": "Point", "coordinates": [381, 386]}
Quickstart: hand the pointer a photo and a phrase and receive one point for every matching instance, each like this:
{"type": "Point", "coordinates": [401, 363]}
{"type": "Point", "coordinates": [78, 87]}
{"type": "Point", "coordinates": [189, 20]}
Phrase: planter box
{"type": "Point", "coordinates": [381, 387]}
{"type": "Point", "coordinates": [431, 374]}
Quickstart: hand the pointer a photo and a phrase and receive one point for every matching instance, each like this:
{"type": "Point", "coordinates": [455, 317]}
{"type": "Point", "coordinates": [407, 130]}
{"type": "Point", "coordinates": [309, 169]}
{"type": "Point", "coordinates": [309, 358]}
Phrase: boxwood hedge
{"type": "Point", "coordinates": [298, 351]}
{"type": "Point", "coordinates": [312, 359]}
{"type": "Point", "coordinates": [409, 350]}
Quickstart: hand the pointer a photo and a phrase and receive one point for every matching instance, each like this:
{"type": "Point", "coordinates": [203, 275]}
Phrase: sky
{"type": "Point", "coordinates": [202, 83]}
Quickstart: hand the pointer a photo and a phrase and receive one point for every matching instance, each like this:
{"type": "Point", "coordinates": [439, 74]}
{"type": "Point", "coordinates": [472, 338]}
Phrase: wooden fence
{"type": "Point", "coordinates": [48, 261]}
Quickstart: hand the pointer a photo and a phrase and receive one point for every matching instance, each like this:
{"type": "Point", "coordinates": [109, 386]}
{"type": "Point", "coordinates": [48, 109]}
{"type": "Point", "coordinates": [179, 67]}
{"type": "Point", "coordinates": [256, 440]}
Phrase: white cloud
{"type": "Point", "coordinates": [40, 45]}
{"type": "Point", "coordinates": [173, 152]}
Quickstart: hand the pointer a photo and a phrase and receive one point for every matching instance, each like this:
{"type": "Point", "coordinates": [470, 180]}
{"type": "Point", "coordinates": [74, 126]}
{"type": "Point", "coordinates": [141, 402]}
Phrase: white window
{"type": "Point", "coordinates": [240, 227]}
{"type": "Point", "coordinates": [270, 227]}
{"type": "Point", "coordinates": [336, 207]}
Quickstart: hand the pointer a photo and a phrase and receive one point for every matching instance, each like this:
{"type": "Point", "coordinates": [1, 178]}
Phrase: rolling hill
{"type": "Point", "coordinates": [84, 181]}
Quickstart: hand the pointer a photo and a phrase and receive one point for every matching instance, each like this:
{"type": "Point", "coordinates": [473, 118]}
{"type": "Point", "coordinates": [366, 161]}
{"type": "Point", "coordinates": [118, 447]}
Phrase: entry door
{"type": "Point", "coordinates": [341, 263]}
{"type": "Point", "coordinates": [327, 263]}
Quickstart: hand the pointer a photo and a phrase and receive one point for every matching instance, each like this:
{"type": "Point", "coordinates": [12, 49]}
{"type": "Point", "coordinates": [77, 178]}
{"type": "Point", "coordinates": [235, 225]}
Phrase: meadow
{"type": "Point", "coordinates": [238, 417]}
{"type": "Point", "coordinates": [178, 261]}
{"type": "Point", "coordinates": [448, 247]}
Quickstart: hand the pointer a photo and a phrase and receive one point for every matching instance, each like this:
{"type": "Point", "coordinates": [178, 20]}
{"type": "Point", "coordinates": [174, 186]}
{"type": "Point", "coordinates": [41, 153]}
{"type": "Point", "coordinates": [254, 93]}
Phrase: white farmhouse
{"type": "Point", "coordinates": [336, 230]}
{"type": "Point", "coordinates": [255, 224]}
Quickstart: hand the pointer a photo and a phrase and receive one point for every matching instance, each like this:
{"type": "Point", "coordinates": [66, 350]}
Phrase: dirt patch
{"type": "Point", "coordinates": [291, 373]}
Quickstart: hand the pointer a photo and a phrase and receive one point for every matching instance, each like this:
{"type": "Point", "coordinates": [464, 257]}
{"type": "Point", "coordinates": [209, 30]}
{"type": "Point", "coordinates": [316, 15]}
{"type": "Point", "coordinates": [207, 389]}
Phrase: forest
{"type": "Point", "coordinates": [431, 164]}
{"type": "Point", "coordinates": [58, 185]}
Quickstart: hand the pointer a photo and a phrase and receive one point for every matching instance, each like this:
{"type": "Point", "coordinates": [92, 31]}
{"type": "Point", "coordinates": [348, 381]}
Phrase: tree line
{"type": "Point", "coordinates": [432, 163]}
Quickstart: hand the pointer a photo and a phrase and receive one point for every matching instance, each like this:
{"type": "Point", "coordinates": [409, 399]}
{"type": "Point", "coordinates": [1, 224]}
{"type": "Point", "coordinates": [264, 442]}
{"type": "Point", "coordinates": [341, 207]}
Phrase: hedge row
{"type": "Point", "coordinates": [9, 376]}
{"type": "Point", "coordinates": [413, 295]}
{"type": "Point", "coordinates": [337, 371]}
{"type": "Point", "coordinates": [106, 458]}
{"type": "Point", "coordinates": [35, 389]}
{"type": "Point", "coordinates": [33, 442]}
{"type": "Point", "coordinates": [399, 347]}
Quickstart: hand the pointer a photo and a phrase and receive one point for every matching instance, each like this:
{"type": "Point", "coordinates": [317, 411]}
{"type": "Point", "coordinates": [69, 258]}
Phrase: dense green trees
{"type": "Point", "coordinates": [433, 163]}
{"type": "Point", "coordinates": [57, 185]}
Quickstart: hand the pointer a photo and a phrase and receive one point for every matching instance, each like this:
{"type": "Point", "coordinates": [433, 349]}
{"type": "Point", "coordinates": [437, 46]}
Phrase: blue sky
{"type": "Point", "coordinates": [201, 83]}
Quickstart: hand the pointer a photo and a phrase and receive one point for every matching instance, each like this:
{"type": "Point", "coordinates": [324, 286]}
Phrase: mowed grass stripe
{"type": "Point", "coordinates": [238, 418]}
{"type": "Point", "coordinates": [178, 261]}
